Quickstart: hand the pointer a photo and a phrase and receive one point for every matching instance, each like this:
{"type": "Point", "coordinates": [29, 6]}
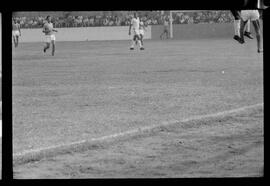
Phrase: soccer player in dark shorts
{"type": "Point", "coordinates": [237, 18]}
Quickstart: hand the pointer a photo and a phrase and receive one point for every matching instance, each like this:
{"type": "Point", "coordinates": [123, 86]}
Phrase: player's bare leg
{"type": "Point", "coordinates": [14, 41]}
{"type": "Point", "coordinates": [257, 28]}
{"type": "Point", "coordinates": [133, 41]}
{"type": "Point", "coordinates": [161, 36]}
{"type": "Point", "coordinates": [53, 47]}
{"type": "Point", "coordinates": [167, 34]}
{"type": "Point", "coordinates": [141, 38]}
{"type": "Point", "coordinates": [47, 46]}
{"type": "Point", "coordinates": [17, 40]}
{"type": "Point", "coordinates": [237, 23]}
{"type": "Point", "coordinates": [242, 26]}
{"type": "Point", "coordinates": [247, 30]}
{"type": "Point", "coordinates": [141, 42]}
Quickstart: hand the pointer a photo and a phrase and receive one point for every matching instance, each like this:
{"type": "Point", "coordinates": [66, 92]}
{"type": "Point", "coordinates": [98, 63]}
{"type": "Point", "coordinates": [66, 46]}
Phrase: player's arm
{"type": "Point", "coordinates": [43, 29]}
{"type": "Point", "coordinates": [130, 24]}
{"type": "Point", "coordinates": [54, 30]}
{"type": "Point", "coordinates": [144, 27]}
{"type": "Point", "coordinates": [19, 28]}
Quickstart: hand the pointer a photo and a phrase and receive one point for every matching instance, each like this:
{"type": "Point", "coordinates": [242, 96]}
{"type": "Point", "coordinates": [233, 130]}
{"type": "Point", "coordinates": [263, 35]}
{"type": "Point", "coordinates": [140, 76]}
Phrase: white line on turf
{"type": "Point", "coordinates": [134, 131]}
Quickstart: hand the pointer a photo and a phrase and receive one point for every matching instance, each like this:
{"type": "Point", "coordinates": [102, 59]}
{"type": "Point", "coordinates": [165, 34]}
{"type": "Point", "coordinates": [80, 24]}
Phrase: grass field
{"type": "Point", "coordinates": [94, 89]}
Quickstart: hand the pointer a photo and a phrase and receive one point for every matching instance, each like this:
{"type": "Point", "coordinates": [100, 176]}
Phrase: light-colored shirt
{"type": "Point", "coordinates": [48, 28]}
{"type": "Point", "coordinates": [141, 26]}
{"type": "Point", "coordinates": [135, 22]}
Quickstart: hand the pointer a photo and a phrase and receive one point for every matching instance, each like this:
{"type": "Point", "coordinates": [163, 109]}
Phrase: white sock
{"type": "Point", "coordinates": [140, 43]}
{"type": "Point", "coordinates": [132, 44]}
{"type": "Point", "coordinates": [237, 27]}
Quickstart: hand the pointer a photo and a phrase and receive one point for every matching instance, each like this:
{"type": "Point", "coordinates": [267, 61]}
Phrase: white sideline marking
{"type": "Point", "coordinates": [140, 129]}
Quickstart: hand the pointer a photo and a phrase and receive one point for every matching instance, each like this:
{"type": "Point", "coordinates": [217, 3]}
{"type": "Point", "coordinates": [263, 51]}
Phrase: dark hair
{"type": "Point", "coordinates": [47, 17]}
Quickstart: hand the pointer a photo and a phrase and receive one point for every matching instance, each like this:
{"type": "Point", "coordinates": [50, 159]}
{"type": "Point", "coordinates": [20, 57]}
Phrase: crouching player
{"type": "Point", "coordinates": [141, 32]}
{"type": "Point", "coordinates": [253, 16]}
{"type": "Point", "coordinates": [134, 24]}
{"type": "Point", "coordinates": [49, 35]}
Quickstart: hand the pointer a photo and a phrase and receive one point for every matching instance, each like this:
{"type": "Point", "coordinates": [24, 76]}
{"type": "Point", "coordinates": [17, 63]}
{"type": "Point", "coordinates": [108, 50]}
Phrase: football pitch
{"type": "Point", "coordinates": [90, 90]}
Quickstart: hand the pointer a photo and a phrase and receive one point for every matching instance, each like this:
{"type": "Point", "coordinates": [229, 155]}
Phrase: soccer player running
{"type": "Point", "coordinates": [253, 16]}
{"type": "Point", "coordinates": [237, 19]}
{"type": "Point", "coordinates": [165, 29]}
{"type": "Point", "coordinates": [49, 35]}
{"type": "Point", "coordinates": [134, 24]}
{"type": "Point", "coordinates": [16, 32]}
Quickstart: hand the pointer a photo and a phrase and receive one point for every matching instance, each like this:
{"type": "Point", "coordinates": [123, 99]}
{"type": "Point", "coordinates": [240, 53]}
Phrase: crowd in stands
{"type": "Point", "coordinates": [151, 18]}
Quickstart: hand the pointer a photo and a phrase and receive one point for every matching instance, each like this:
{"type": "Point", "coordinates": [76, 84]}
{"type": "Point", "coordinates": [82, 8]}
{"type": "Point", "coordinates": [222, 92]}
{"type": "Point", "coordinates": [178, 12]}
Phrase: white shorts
{"type": "Point", "coordinates": [15, 33]}
{"type": "Point", "coordinates": [49, 38]}
{"type": "Point", "coordinates": [141, 32]}
{"type": "Point", "coordinates": [250, 14]}
{"type": "Point", "coordinates": [136, 32]}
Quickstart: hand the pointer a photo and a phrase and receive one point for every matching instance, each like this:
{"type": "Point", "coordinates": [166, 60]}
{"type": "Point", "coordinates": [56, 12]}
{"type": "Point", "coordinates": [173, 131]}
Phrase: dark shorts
{"type": "Point", "coordinates": [166, 30]}
{"type": "Point", "coordinates": [236, 14]}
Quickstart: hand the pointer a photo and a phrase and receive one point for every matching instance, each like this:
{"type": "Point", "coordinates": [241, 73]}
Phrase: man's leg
{"type": "Point", "coordinates": [47, 46]}
{"type": "Point", "coordinates": [17, 41]}
{"type": "Point", "coordinates": [236, 24]}
{"type": "Point", "coordinates": [138, 40]}
{"type": "Point", "coordinates": [53, 47]}
{"type": "Point", "coordinates": [14, 41]}
{"type": "Point", "coordinates": [141, 42]}
{"type": "Point", "coordinates": [237, 29]}
{"type": "Point", "coordinates": [141, 37]}
{"type": "Point", "coordinates": [257, 28]}
{"type": "Point", "coordinates": [167, 34]}
{"type": "Point", "coordinates": [242, 26]}
{"type": "Point", "coordinates": [133, 42]}
{"type": "Point", "coordinates": [247, 30]}
{"type": "Point", "coordinates": [161, 36]}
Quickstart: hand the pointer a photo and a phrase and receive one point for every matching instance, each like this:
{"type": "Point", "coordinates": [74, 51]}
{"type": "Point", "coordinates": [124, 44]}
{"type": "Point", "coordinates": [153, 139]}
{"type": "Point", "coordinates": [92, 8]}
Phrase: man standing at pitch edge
{"type": "Point", "coordinates": [16, 32]}
{"type": "Point", "coordinates": [49, 35]}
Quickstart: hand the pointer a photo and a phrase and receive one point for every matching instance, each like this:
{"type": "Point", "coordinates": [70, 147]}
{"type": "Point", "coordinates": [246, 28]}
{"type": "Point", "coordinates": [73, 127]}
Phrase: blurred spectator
{"type": "Point", "coordinates": [122, 18]}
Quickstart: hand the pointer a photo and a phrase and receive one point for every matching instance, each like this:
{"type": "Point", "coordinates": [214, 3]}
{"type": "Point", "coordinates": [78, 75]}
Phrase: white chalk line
{"type": "Point", "coordinates": [134, 131]}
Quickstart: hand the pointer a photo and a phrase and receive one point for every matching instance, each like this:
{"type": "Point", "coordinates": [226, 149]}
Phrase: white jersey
{"type": "Point", "coordinates": [48, 28]}
{"type": "Point", "coordinates": [250, 14]}
{"type": "Point", "coordinates": [135, 22]}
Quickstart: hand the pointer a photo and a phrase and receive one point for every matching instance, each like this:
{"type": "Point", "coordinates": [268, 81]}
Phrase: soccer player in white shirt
{"type": "Point", "coordinates": [49, 34]}
{"type": "Point", "coordinates": [134, 24]}
{"type": "Point", "coordinates": [142, 28]}
{"type": "Point", "coordinates": [16, 32]}
{"type": "Point", "coordinates": [253, 16]}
